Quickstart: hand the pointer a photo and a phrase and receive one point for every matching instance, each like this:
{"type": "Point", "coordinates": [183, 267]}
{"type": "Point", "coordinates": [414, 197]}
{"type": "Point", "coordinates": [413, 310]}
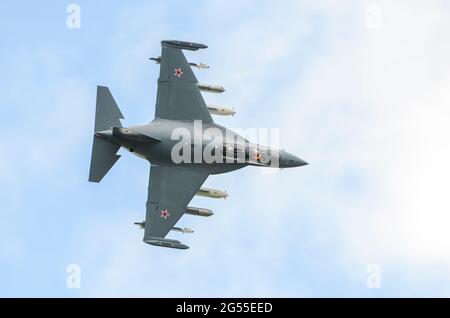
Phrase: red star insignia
{"type": "Point", "coordinates": [165, 214]}
{"type": "Point", "coordinates": [178, 72]}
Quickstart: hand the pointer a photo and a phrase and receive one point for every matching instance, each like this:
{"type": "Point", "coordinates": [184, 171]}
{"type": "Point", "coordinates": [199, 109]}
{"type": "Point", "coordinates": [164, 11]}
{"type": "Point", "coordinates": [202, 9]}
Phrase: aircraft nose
{"type": "Point", "coordinates": [293, 161]}
{"type": "Point", "coordinates": [299, 162]}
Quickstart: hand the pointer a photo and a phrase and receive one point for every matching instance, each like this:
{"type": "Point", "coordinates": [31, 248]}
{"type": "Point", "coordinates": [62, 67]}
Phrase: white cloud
{"type": "Point", "coordinates": [413, 97]}
{"type": "Point", "coordinates": [379, 103]}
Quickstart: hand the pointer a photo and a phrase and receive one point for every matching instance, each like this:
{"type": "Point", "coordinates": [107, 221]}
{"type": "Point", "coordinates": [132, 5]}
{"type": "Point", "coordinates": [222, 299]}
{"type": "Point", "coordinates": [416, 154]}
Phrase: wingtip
{"type": "Point", "coordinates": [184, 45]}
{"type": "Point", "coordinates": [162, 242]}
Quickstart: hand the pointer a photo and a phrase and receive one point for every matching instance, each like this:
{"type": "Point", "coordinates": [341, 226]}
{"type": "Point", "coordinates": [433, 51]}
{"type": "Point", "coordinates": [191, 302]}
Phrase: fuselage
{"type": "Point", "coordinates": [197, 144]}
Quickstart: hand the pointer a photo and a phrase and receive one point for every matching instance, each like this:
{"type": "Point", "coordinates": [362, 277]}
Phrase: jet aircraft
{"type": "Point", "coordinates": [177, 144]}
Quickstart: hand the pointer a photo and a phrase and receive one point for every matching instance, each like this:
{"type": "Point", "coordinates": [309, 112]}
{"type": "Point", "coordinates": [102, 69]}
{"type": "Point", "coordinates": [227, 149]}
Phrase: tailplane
{"type": "Point", "coordinates": [107, 116]}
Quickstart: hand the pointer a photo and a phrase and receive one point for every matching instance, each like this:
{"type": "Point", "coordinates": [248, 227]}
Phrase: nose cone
{"type": "Point", "coordinates": [289, 160]}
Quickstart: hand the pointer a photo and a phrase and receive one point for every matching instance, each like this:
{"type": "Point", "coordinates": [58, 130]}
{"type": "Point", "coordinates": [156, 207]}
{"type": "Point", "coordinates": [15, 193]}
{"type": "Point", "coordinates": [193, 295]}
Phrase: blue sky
{"type": "Point", "coordinates": [358, 89]}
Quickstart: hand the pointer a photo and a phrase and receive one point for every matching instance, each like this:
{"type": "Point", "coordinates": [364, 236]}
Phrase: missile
{"type": "Point", "coordinates": [211, 88]}
{"type": "Point", "coordinates": [183, 230]}
{"type": "Point", "coordinates": [220, 110]}
{"type": "Point", "coordinates": [212, 193]}
{"type": "Point", "coordinates": [198, 211]}
{"type": "Point", "coordinates": [197, 65]}
{"type": "Point", "coordinates": [176, 229]}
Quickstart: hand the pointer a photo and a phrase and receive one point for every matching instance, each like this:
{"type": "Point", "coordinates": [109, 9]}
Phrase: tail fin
{"type": "Point", "coordinates": [107, 115]}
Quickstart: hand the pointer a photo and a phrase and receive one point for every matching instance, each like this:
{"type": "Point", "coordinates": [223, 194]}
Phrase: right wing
{"type": "Point", "coordinates": [178, 96]}
{"type": "Point", "coordinates": [169, 192]}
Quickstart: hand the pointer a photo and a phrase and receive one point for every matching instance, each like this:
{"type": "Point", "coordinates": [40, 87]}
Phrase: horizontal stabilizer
{"type": "Point", "coordinates": [107, 113]}
{"type": "Point", "coordinates": [102, 159]}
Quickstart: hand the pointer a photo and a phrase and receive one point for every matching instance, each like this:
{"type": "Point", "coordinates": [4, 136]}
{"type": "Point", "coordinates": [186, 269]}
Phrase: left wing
{"type": "Point", "coordinates": [178, 96]}
{"type": "Point", "coordinates": [170, 191]}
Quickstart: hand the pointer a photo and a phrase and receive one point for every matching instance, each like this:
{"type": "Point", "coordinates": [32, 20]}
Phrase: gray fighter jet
{"type": "Point", "coordinates": [183, 145]}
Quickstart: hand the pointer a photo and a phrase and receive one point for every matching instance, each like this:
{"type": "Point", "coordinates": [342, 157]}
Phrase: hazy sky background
{"type": "Point", "coordinates": [359, 89]}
